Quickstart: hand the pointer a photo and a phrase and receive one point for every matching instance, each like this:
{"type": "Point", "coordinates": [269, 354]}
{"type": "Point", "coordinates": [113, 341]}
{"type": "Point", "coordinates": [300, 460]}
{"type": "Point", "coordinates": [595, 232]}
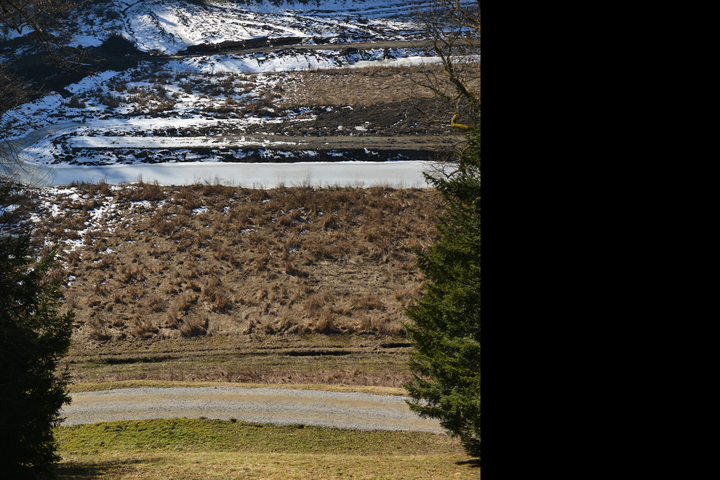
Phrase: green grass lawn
{"type": "Point", "coordinates": [200, 448]}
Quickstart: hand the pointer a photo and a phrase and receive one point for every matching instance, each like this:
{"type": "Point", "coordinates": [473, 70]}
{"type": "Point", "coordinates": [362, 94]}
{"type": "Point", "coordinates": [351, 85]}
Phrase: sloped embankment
{"type": "Point", "coordinates": [167, 262]}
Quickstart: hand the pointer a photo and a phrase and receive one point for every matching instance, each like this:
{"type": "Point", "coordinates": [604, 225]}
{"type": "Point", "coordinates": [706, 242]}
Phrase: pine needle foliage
{"type": "Point", "coordinates": [445, 323]}
{"type": "Point", "coordinates": [33, 337]}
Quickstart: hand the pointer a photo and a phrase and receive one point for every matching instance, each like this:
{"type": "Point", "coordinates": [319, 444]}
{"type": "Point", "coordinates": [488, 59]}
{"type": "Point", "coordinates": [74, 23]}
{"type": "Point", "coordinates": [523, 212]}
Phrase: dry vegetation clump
{"type": "Point", "coordinates": [352, 86]}
{"type": "Point", "coordinates": [97, 329]}
{"type": "Point", "coordinates": [75, 102]}
{"type": "Point", "coordinates": [142, 191]}
{"type": "Point", "coordinates": [194, 327]}
{"type": "Point", "coordinates": [142, 327]}
{"type": "Point", "coordinates": [209, 259]}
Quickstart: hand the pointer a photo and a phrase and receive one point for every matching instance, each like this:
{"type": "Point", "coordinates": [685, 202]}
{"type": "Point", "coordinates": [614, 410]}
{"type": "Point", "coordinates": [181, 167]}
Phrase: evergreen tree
{"type": "Point", "coordinates": [445, 327]}
{"type": "Point", "coordinates": [33, 337]}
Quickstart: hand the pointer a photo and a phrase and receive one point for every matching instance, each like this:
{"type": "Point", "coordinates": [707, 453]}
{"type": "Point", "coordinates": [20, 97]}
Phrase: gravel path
{"type": "Point", "coordinates": [358, 411]}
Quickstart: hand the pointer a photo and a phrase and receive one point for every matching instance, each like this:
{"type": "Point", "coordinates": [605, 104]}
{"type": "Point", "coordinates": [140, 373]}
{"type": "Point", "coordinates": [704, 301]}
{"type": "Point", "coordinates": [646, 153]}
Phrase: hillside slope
{"type": "Point", "coordinates": [193, 281]}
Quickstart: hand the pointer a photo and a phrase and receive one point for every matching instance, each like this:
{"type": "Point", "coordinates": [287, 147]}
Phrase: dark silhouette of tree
{"type": "Point", "coordinates": [454, 29]}
{"type": "Point", "coordinates": [33, 337]}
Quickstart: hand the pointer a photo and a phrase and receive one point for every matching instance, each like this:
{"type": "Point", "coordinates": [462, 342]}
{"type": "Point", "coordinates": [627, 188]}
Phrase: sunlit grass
{"type": "Point", "coordinates": [190, 448]}
{"type": "Point", "coordinates": [279, 466]}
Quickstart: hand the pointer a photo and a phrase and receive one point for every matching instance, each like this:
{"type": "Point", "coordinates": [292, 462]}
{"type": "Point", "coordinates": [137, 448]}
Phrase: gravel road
{"type": "Point", "coordinates": [358, 411]}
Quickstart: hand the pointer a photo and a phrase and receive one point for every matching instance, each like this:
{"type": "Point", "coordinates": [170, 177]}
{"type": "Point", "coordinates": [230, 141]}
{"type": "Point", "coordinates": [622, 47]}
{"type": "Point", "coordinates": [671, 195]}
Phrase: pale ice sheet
{"type": "Point", "coordinates": [261, 175]}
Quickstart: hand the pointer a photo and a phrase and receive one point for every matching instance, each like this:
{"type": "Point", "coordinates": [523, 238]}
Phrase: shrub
{"type": "Point", "coordinates": [97, 329]}
{"type": "Point", "coordinates": [194, 327]}
{"type": "Point", "coordinates": [313, 304]}
{"type": "Point", "coordinates": [220, 302]}
{"type": "Point", "coordinates": [143, 328]}
{"type": "Point", "coordinates": [75, 102]}
{"type": "Point", "coordinates": [157, 304]}
{"type": "Point", "coordinates": [171, 320]}
{"type": "Point", "coordinates": [262, 259]}
{"type": "Point", "coordinates": [369, 302]}
{"type": "Point", "coordinates": [446, 321]}
{"type": "Point", "coordinates": [184, 302]}
{"type": "Point", "coordinates": [325, 323]}
{"type": "Point", "coordinates": [292, 269]}
{"type": "Point", "coordinates": [143, 191]}
{"type": "Point", "coordinates": [33, 337]}
{"type": "Point", "coordinates": [217, 298]}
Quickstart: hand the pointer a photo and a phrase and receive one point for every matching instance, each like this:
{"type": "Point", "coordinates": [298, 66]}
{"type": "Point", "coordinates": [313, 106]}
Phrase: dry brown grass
{"type": "Point", "coordinates": [142, 327]}
{"type": "Point", "coordinates": [193, 327]}
{"type": "Point", "coordinates": [156, 304]}
{"type": "Point", "coordinates": [142, 191]}
{"type": "Point", "coordinates": [367, 86]}
{"type": "Point", "coordinates": [290, 260]}
{"type": "Point", "coordinates": [97, 329]}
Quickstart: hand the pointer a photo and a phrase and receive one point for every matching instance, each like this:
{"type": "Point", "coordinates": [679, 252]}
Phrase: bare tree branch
{"type": "Point", "coordinates": [454, 28]}
{"type": "Point", "coordinates": [44, 19]}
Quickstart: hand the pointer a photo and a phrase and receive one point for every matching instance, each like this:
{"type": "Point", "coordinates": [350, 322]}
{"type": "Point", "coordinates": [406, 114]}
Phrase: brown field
{"type": "Point", "coordinates": [215, 283]}
{"type": "Point", "coordinates": [352, 86]}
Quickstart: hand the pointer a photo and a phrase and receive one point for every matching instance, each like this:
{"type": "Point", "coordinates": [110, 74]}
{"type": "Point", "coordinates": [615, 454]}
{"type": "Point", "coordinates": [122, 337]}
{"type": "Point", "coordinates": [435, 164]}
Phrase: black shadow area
{"type": "Point", "coordinates": [91, 470]}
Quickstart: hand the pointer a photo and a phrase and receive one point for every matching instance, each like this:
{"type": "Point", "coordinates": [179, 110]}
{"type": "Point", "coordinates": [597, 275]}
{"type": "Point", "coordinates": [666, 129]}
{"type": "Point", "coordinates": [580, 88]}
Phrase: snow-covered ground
{"type": "Point", "coordinates": [255, 175]}
{"type": "Point", "coordinates": [211, 91]}
{"type": "Point", "coordinates": [182, 90]}
{"type": "Point", "coordinates": [170, 100]}
{"type": "Point", "coordinates": [179, 89]}
{"type": "Point", "coordinates": [170, 26]}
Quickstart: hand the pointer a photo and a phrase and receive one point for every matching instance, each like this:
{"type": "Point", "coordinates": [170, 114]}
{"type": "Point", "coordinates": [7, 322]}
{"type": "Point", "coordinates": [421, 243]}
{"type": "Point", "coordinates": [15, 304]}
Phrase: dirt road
{"type": "Point", "coordinates": [260, 405]}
